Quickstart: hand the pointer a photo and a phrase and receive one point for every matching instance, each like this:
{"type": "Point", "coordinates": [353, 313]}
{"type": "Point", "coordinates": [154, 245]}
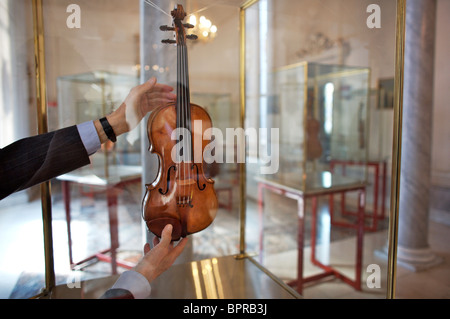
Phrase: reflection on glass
{"type": "Point", "coordinates": [328, 120]}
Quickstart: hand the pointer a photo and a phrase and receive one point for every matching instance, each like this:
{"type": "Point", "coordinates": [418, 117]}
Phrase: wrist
{"type": "Point", "coordinates": [147, 271]}
{"type": "Point", "coordinates": [117, 122]}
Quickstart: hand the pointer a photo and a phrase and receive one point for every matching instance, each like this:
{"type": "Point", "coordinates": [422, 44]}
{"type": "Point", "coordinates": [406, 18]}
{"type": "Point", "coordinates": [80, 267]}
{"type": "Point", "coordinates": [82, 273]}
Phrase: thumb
{"type": "Point", "coordinates": [166, 235]}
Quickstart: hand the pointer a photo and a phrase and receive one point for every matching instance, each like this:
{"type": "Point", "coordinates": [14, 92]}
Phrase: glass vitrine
{"type": "Point", "coordinates": [321, 111]}
{"type": "Point", "coordinates": [308, 92]}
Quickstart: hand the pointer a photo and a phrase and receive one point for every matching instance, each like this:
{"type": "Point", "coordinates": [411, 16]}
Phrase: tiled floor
{"type": "Point", "coordinates": [21, 248]}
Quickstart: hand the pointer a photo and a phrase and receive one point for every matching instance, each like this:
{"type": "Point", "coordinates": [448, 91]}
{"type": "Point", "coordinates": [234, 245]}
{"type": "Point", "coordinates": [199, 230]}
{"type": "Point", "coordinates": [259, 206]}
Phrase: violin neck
{"type": "Point", "coordinates": [183, 100]}
{"type": "Point", "coordinates": [183, 94]}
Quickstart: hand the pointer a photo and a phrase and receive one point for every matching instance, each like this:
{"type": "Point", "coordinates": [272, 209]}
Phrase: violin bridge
{"type": "Point", "coordinates": [184, 201]}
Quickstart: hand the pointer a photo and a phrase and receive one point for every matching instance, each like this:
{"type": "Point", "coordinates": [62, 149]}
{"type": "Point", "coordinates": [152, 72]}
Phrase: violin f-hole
{"type": "Point", "coordinates": [198, 181]}
{"type": "Point", "coordinates": [168, 181]}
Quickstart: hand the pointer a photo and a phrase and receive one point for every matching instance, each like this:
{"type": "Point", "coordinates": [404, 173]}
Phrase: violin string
{"type": "Point", "coordinates": [183, 117]}
{"type": "Point", "coordinates": [217, 3]}
{"type": "Point", "coordinates": [152, 4]}
{"type": "Point", "coordinates": [180, 102]}
{"type": "Point", "coordinates": [187, 119]}
{"type": "Point", "coordinates": [200, 10]}
{"type": "Point", "coordinates": [179, 113]}
{"type": "Point", "coordinates": [182, 112]}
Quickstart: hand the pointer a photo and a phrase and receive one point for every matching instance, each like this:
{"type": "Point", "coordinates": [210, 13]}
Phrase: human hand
{"type": "Point", "coordinates": [158, 259]}
{"type": "Point", "coordinates": [141, 100]}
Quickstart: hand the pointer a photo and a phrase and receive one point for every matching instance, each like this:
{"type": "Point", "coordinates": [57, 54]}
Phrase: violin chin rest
{"type": "Point", "coordinates": [157, 225]}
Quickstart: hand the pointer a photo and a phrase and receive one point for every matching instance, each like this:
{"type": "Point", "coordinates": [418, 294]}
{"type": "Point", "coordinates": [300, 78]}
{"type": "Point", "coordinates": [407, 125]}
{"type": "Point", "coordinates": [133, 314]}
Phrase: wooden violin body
{"type": "Point", "coordinates": [181, 195]}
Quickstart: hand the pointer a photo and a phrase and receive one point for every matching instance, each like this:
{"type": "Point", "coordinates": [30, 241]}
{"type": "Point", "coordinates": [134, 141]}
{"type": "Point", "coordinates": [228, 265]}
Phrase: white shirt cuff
{"type": "Point", "coordinates": [89, 137]}
{"type": "Point", "coordinates": [135, 283]}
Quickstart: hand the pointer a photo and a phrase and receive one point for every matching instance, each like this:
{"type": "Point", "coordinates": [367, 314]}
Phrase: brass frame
{"type": "Point", "coordinates": [396, 147]}
{"type": "Point", "coordinates": [41, 99]}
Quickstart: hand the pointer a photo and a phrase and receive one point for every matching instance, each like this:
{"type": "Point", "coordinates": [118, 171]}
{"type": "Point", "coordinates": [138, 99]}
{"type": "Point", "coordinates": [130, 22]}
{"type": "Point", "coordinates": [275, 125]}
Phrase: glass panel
{"type": "Point", "coordinates": [92, 54]}
{"type": "Point", "coordinates": [21, 274]}
{"type": "Point", "coordinates": [86, 96]}
{"type": "Point", "coordinates": [79, 59]}
{"type": "Point", "coordinates": [213, 85]}
{"type": "Point", "coordinates": [316, 177]}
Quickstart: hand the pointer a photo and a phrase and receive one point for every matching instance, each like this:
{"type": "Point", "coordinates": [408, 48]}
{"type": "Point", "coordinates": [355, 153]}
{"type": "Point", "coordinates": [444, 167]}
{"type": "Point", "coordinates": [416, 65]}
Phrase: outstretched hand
{"type": "Point", "coordinates": [145, 98]}
{"type": "Point", "coordinates": [141, 100]}
{"type": "Point", "coordinates": [158, 259]}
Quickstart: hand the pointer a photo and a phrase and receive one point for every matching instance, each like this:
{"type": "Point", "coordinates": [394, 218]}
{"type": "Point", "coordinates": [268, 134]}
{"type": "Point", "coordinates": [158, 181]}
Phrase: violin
{"type": "Point", "coordinates": [181, 194]}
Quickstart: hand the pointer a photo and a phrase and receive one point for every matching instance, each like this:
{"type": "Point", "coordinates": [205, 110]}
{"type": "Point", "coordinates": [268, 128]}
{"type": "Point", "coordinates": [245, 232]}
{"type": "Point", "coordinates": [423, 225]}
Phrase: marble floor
{"type": "Point", "coordinates": [21, 250]}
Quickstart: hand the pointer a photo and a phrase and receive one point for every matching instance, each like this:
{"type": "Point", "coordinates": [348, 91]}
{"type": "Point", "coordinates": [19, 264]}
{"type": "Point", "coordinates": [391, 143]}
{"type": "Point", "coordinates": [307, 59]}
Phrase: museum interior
{"type": "Point", "coordinates": [329, 146]}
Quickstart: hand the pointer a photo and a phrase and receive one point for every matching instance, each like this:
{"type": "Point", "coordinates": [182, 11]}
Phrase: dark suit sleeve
{"type": "Point", "coordinates": [115, 293]}
{"type": "Point", "coordinates": [36, 159]}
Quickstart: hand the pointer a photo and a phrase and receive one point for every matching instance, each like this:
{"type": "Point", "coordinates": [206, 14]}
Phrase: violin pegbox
{"type": "Point", "coordinates": [178, 15]}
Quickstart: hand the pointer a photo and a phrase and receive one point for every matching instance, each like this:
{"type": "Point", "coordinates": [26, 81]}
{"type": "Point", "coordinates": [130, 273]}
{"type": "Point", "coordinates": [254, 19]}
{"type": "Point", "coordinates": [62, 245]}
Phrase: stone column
{"type": "Point", "coordinates": [158, 60]}
{"type": "Point", "coordinates": [413, 250]}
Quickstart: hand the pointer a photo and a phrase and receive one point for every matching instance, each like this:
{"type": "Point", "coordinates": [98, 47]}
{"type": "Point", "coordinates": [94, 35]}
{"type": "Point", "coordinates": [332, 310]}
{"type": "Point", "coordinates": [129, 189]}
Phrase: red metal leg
{"type": "Point", "coordinates": [375, 197]}
{"type": "Point", "coordinates": [360, 237]}
{"type": "Point", "coordinates": [66, 196]}
{"type": "Point", "coordinates": [301, 206]}
{"type": "Point", "coordinates": [343, 211]}
{"type": "Point", "coordinates": [313, 227]}
{"type": "Point", "coordinates": [113, 227]}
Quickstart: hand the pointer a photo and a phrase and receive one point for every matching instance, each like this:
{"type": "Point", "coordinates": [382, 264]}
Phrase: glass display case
{"type": "Point", "coordinates": [321, 111]}
{"type": "Point", "coordinates": [321, 114]}
{"type": "Point", "coordinates": [306, 89]}
{"type": "Point", "coordinates": [298, 82]}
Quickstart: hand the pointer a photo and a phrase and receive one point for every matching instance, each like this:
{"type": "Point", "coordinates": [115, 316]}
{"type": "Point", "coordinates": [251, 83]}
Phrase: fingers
{"type": "Point", "coordinates": [161, 96]}
{"type": "Point", "coordinates": [152, 86]}
{"type": "Point", "coordinates": [147, 85]}
{"type": "Point", "coordinates": [159, 87]}
{"type": "Point", "coordinates": [155, 241]}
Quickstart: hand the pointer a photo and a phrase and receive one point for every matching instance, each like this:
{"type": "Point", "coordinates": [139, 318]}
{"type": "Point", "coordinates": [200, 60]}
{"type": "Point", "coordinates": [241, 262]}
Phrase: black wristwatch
{"type": "Point", "coordinates": [108, 129]}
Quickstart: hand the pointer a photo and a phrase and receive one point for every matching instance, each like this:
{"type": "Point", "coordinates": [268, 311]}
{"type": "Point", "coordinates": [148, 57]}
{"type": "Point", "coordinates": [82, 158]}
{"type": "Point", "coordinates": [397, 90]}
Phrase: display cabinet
{"type": "Point", "coordinates": [309, 115]}
{"type": "Point", "coordinates": [321, 114]}
{"type": "Point", "coordinates": [321, 111]}
{"type": "Point", "coordinates": [305, 114]}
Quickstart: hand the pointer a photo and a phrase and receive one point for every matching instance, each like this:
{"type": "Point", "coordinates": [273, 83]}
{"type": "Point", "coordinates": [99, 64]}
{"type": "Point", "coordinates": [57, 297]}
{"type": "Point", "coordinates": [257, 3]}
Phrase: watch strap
{"type": "Point", "coordinates": [108, 129]}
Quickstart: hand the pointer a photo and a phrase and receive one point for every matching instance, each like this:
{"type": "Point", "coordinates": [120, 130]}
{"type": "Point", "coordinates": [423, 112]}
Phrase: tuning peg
{"type": "Point", "coordinates": [192, 37]}
{"type": "Point", "coordinates": [168, 41]}
{"type": "Point", "coordinates": [188, 25]}
{"type": "Point", "coordinates": [166, 28]}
